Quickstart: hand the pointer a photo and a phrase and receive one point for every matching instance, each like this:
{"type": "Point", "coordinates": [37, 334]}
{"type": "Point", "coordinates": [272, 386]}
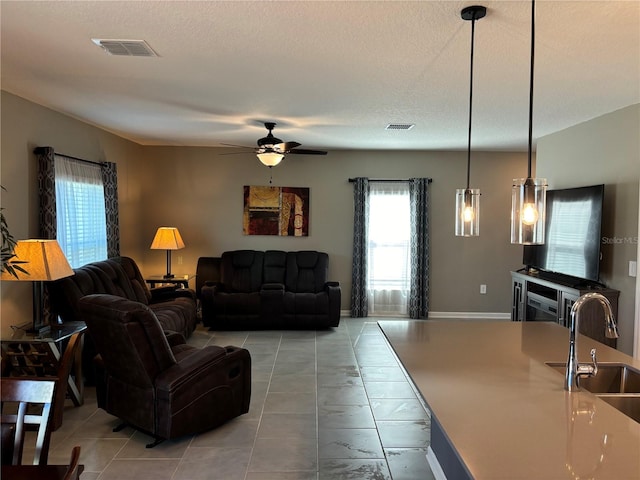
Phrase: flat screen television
{"type": "Point", "coordinates": [572, 234]}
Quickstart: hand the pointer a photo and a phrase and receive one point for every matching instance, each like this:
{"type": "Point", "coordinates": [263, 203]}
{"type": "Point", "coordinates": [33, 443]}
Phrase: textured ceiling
{"type": "Point", "coordinates": [331, 74]}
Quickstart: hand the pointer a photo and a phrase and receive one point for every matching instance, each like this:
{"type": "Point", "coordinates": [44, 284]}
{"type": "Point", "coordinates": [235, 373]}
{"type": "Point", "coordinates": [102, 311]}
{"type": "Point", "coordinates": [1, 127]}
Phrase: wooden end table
{"type": "Point", "coordinates": [56, 353]}
{"type": "Point", "coordinates": [180, 280]}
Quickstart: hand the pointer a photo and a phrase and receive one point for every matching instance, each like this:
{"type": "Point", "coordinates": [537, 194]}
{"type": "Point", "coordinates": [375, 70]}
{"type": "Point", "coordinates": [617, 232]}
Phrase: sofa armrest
{"type": "Point", "coordinates": [207, 309]}
{"type": "Point", "coordinates": [335, 298]}
{"type": "Point", "coordinates": [174, 338]}
{"type": "Point", "coordinates": [203, 364]}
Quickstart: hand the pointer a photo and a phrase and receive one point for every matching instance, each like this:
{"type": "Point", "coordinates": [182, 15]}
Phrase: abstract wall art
{"type": "Point", "coordinates": [272, 210]}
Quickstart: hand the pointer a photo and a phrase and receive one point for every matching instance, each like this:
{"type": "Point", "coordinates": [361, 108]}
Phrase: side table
{"type": "Point", "coordinates": [180, 280]}
{"type": "Point", "coordinates": [56, 353]}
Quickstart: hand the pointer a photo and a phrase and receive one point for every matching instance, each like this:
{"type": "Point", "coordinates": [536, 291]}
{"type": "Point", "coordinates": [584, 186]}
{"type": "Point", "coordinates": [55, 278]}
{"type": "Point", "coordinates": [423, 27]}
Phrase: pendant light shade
{"type": "Point", "coordinates": [529, 195]}
{"type": "Point", "coordinates": [528, 206]}
{"type": "Point", "coordinates": [467, 212]}
{"type": "Point", "coordinates": [467, 219]}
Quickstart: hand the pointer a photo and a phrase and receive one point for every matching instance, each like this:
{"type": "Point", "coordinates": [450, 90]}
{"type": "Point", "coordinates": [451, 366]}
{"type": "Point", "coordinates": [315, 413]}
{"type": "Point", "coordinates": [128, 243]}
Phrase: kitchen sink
{"type": "Point", "coordinates": [627, 403]}
{"type": "Point", "coordinates": [611, 378]}
{"type": "Point", "coordinates": [617, 384]}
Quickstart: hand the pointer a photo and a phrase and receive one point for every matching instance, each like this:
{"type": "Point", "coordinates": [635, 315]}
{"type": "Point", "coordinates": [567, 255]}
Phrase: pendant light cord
{"type": "Point", "coordinates": [473, 27]}
{"type": "Point", "coordinates": [533, 48]}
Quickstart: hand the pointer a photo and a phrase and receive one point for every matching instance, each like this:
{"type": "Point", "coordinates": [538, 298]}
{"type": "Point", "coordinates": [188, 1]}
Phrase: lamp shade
{"type": "Point", "coordinates": [167, 238]}
{"type": "Point", "coordinates": [44, 261]}
{"type": "Point", "coordinates": [270, 159]}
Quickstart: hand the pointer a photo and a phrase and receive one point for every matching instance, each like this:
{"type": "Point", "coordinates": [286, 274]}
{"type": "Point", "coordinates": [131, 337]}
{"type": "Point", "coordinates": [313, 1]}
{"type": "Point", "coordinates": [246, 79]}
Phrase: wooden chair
{"type": "Point", "coordinates": [74, 470]}
{"type": "Point", "coordinates": [24, 392]}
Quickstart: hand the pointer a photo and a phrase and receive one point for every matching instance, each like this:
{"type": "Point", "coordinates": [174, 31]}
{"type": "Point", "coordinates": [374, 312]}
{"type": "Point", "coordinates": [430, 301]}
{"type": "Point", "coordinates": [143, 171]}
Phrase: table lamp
{"type": "Point", "coordinates": [44, 262]}
{"type": "Point", "coordinates": [167, 238]}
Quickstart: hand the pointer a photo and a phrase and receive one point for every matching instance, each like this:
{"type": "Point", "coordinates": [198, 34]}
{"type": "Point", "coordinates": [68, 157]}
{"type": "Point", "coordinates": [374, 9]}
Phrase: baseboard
{"type": "Point", "coordinates": [458, 315]}
{"type": "Point", "coordinates": [472, 315]}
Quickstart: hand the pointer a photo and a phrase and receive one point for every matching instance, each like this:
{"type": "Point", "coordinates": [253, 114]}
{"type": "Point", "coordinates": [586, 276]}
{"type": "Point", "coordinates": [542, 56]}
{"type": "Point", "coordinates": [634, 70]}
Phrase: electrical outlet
{"type": "Point", "coordinates": [483, 289]}
{"type": "Point", "coordinates": [179, 259]}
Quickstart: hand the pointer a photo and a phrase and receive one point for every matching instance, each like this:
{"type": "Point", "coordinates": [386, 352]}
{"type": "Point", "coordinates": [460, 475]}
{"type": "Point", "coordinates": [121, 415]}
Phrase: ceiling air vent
{"type": "Point", "coordinates": [400, 126]}
{"type": "Point", "coordinates": [127, 48]}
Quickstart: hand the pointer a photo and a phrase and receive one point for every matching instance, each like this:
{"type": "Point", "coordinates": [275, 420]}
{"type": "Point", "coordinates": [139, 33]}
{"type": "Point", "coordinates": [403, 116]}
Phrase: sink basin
{"type": "Point", "coordinates": [629, 404]}
{"type": "Point", "coordinates": [611, 378]}
{"type": "Point", "coordinates": [617, 384]}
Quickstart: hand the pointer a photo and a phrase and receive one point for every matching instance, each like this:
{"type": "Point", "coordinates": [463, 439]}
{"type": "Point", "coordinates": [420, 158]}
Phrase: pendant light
{"type": "Point", "coordinates": [468, 199]}
{"type": "Point", "coordinates": [528, 195]}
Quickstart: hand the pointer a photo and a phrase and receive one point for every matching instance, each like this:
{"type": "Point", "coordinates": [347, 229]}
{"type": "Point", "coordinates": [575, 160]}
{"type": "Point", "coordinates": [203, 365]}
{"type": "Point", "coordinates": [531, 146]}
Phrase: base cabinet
{"type": "Point", "coordinates": [543, 299]}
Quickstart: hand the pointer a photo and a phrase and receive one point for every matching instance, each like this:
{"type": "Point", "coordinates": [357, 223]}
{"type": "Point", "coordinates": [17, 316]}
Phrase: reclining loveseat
{"type": "Point", "coordinates": [270, 289]}
{"type": "Point", "coordinates": [157, 383]}
{"type": "Point", "coordinates": [176, 309]}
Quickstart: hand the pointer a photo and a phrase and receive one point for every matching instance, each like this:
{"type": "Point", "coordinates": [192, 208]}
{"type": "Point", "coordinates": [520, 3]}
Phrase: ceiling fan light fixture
{"type": "Point", "coordinates": [270, 159]}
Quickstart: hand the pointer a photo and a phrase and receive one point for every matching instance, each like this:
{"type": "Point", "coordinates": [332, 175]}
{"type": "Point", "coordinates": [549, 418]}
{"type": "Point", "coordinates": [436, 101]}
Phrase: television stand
{"type": "Point", "coordinates": [537, 297]}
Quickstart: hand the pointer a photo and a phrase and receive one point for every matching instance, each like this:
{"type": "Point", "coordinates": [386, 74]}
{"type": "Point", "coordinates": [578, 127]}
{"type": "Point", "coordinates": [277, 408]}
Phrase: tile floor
{"type": "Point", "coordinates": [325, 405]}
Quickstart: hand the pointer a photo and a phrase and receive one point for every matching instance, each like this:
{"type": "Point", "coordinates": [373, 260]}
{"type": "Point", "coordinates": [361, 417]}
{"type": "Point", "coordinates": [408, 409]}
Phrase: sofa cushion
{"type": "Point", "coordinates": [275, 265]}
{"type": "Point", "coordinates": [242, 270]}
{"type": "Point", "coordinates": [307, 271]}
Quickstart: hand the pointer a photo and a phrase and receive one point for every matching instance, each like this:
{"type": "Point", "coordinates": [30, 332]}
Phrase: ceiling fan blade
{"type": "Point", "coordinates": [302, 151]}
{"type": "Point", "coordinates": [286, 146]}
{"type": "Point", "coordinates": [239, 146]}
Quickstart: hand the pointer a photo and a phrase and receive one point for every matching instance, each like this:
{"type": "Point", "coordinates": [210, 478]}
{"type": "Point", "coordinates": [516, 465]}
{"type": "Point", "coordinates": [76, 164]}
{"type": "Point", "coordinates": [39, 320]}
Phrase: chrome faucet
{"type": "Point", "coordinates": [575, 369]}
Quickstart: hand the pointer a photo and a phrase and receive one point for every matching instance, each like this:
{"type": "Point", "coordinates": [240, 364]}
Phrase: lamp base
{"type": "Point", "coordinates": [168, 275]}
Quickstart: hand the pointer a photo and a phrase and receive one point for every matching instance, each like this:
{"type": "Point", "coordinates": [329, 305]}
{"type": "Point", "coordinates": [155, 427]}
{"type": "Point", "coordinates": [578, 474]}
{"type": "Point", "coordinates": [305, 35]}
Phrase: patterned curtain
{"type": "Point", "coordinates": [110, 181]}
{"type": "Point", "coordinates": [419, 290]}
{"type": "Point", "coordinates": [359, 271]}
{"type": "Point", "coordinates": [47, 213]}
{"type": "Point", "coordinates": [47, 192]}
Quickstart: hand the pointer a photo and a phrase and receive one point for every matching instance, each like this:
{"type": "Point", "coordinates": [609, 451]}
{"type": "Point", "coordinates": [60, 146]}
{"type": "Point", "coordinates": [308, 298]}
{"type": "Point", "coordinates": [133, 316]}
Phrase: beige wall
{"type": "Point", "coordinates": [200, 191]}
{"type": "Point", "coordinates": [604, 150]}
{"type": "Point", "coordinates": [24, 127]}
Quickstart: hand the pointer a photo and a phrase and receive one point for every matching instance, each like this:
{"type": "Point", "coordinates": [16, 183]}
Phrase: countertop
{"type": "Point", "coordinates": [506, 413]}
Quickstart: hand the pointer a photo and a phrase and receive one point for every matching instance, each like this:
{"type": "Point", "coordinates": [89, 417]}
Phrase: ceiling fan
{"type": "Point", "coordinates": [271, 150]}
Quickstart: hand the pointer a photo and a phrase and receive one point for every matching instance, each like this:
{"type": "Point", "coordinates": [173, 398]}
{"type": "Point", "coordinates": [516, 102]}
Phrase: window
{"type": "Point", "coordinates": [388, 254]}
{"type": "Point", "coordinates": [80, 211]}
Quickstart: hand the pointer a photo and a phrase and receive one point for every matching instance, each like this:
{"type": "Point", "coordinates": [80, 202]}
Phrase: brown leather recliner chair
{"type": "Point", "coordinates": [157, 383]}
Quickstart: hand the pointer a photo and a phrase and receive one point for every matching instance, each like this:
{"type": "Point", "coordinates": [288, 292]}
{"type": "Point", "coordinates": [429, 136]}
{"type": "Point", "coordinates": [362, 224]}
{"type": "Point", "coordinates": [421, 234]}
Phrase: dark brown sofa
{"type": "Point", "coordinates": [175, 308]}
{"type": "Point", "coordinates": [156, 382]}
{"type": "Point", "coordinates": [270, 289]}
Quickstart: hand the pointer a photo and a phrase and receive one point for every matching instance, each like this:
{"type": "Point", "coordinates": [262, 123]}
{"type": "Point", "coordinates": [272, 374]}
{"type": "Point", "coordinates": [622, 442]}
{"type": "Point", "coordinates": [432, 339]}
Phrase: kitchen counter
{"type": "Point", "coordinates": [498, 412]}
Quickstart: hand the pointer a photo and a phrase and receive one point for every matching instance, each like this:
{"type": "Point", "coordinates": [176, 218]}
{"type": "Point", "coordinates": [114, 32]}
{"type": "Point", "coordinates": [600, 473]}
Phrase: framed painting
{"type": "Point", "coordinates": [272, 210]}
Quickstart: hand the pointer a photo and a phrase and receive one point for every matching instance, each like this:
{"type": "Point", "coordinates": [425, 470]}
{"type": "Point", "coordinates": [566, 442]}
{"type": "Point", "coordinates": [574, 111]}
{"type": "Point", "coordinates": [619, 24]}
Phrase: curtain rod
{"type": "Point", "coordinates": [382, 180]}
{"type": "Point", "coordinates": [79, 159]}
{"type": "Point", "coordinates": [37, 150]}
